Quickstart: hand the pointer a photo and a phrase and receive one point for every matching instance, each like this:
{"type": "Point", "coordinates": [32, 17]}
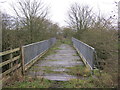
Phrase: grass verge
{"type": "Point", "coordinates": [78, 70]}
{"type": "Point", "coordinates": [31, 83]}
{"type": "Point", "coordinates": [93, 81]}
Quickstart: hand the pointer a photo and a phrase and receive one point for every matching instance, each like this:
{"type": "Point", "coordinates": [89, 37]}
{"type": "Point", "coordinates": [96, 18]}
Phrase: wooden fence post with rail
{"type": "Point", "coordinates": [22, 60]}
{"type": "Point", "coordinates": [11, 64]}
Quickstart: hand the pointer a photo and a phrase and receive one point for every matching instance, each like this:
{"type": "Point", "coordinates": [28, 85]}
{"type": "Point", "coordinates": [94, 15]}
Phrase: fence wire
{"type": "Point", "coordinates": [33, 50]}
{"type": "Point", "coordinates": [87, 52]}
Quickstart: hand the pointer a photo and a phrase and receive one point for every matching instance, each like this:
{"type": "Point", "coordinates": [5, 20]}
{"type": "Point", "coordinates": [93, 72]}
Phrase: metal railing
{"type": "Point", "coordinates": [87, 53]}
{"type": "Point", "coordinates": [33, 50]}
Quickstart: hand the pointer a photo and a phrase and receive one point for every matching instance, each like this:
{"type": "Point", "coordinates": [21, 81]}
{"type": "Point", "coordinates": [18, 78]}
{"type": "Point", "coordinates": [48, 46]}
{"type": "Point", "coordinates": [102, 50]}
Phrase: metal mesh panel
{"type": "Point", "coordinates": [33, 50]}
{"type": "Point", "coordinates": [86, 51]}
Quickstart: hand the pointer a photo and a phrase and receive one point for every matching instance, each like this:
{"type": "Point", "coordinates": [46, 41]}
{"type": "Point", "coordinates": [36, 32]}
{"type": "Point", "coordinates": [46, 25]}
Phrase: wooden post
{"type": "Point", "coordinates": [11, 56]}
{"type": "Point", "coordinates": [22, 60]}
{"type": "Point", "coordinates": [11, 64]}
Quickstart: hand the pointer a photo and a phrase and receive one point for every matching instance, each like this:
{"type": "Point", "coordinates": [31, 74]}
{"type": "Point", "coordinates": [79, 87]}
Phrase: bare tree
{"type": "Point", "coordinates": [80, 17]}
{"type": "Point", "coordinates": [28, 10]}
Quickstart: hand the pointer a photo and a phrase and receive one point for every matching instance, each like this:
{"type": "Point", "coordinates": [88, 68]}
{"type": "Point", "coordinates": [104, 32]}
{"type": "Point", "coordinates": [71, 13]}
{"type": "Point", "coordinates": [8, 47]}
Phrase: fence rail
{"type": "Point", "coordinates": [10, 61]}
{"type": "Point", "coordinates": [86, 52]}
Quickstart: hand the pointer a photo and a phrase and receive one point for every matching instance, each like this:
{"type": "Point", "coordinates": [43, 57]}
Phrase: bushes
{"type": "Point", "coordinates": [16, 38]}
{"type": "Point", "coordinates": [104, 41]}
{"type": "Point", "coordinates": [106, 44]}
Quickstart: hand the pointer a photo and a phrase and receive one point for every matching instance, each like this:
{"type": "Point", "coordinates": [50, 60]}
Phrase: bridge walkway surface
{"type": "Point", "coordinates": [55, 65]}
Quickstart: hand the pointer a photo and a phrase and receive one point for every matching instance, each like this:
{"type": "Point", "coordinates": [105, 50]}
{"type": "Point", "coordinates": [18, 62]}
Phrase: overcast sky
{"type": "Point", "coordinates": [59, 8]}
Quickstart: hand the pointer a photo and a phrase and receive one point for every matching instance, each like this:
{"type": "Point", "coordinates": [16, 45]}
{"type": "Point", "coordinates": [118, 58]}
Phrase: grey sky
{"type": "Point", "coordinates": [59, 8]}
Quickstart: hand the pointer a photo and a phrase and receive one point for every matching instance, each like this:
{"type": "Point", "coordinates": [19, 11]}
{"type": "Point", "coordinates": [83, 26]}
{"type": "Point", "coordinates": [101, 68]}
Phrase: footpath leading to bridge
{"type": "Point", "coordinates": [60, 67]}
{"type": "Point", "coordinates": [54, 66]}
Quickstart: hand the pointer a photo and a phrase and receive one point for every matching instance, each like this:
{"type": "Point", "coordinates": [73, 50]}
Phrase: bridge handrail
{"type": "Point", "coordinates": [34, 50]}
{"type": "Point", "coordinates": [86, 52]}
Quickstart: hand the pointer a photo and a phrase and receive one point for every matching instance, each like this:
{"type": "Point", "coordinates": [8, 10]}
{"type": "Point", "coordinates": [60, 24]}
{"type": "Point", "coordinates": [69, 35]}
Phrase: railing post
{"type": "Point", "coordinates": [11, 64]}
{"type": "Point", "coordinates": [22, 60]}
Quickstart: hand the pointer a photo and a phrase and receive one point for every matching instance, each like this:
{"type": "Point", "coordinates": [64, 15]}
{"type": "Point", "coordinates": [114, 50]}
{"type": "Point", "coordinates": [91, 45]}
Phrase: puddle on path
{"type": "Point", "coordinates": [64, 57]}
{"type": "Point", "coordinates": [60, 69]}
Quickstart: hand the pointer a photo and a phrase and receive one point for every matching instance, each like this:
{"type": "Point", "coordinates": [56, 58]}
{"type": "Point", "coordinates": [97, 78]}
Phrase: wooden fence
{"type": "Point", "coordinates": [13, 62]}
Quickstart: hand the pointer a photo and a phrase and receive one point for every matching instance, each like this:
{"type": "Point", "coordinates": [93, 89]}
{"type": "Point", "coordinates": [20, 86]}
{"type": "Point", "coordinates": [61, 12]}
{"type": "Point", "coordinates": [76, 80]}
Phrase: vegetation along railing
{"type": "Point", "coordinates": [24, 57]}
{"type": "Point", "coordinates": [86, 52]}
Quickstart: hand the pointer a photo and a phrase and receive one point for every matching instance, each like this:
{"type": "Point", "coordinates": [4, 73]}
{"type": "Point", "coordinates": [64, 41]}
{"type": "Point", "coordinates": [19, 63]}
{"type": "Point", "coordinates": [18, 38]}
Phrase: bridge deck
{"type": "Point", "coordinates": [54, 66]}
